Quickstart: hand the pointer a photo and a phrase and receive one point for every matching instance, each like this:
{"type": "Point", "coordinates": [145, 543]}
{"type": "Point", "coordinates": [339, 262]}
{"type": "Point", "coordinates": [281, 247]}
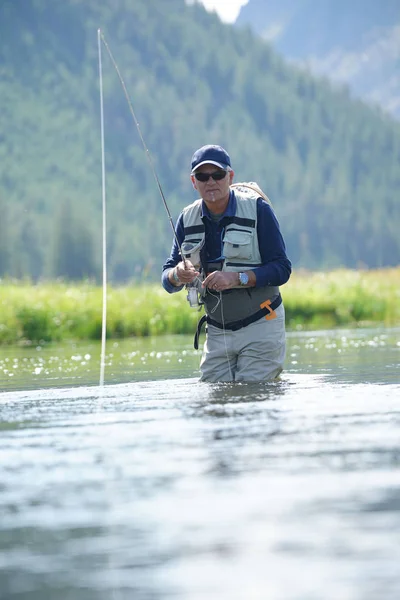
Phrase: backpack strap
{"type": "Point", "coordinates": [251, 186]}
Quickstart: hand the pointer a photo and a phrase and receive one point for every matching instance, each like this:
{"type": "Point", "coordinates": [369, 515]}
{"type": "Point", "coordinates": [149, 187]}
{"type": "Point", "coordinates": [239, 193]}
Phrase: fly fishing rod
{"type": "Point", "coordinates": [147, 152]}
{"type": "Point", "coordinates": [100, 38]}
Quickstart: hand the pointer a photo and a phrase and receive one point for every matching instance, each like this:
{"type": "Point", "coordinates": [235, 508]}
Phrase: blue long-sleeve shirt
{"type": "Point", "coordinates": [276, 267]}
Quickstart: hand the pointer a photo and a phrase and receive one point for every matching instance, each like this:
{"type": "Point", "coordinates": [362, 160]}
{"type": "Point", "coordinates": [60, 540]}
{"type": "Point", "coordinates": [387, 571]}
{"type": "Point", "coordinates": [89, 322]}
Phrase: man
{"type": "Point", "coordinates": [234, 253]}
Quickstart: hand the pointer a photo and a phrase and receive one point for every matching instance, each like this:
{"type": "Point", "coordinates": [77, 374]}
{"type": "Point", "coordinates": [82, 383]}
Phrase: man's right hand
{"type": "Point", "coordinates": [183, 273]}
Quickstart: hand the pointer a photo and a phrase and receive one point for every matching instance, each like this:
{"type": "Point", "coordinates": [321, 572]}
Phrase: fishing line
{"type": "Point", "coordinates": [225, 342]}
{"type": "Point", "coordinates": [220, 302]}
{"type": "Point", "coordinates": [104, 239]}
{"type": "Point", "coordinates": [101, 38]}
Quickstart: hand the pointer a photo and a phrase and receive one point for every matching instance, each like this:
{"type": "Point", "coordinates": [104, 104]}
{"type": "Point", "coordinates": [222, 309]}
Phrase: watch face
{"type": "Point", "coordinates": [244, 278]}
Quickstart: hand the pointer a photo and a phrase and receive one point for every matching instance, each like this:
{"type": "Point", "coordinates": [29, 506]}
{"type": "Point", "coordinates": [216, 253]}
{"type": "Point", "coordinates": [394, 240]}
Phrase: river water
{"type": "Point", "coordinates": [159, 487]}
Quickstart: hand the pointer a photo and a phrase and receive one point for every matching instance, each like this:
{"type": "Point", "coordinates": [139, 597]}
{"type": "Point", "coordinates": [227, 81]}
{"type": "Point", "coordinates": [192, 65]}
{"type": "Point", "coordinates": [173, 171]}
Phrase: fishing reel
{"type": "Point", "coordinates": [195, 293]}
{"type": "Point", "coordinates": [193, 297]}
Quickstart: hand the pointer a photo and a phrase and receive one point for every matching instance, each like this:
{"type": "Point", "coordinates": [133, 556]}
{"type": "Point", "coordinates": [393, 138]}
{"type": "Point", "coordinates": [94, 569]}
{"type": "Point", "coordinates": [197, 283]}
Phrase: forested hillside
{"type": "Point", "coordinates": [355, 43]}
{"type": "Point", "coordinates": [330, 165]}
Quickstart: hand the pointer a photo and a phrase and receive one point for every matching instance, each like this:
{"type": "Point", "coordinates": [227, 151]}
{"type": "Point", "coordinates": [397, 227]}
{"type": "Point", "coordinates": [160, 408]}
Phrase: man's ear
{"type": "Point", "coordinates": [192, 177]}
{"type": "Point", "coordinates": [231, 174]}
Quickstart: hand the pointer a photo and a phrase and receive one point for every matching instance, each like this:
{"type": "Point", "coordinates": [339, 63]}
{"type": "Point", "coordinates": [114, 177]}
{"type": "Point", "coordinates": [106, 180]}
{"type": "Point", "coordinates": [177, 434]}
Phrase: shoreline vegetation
{"type": "Point", "coordinates": [58, 311]}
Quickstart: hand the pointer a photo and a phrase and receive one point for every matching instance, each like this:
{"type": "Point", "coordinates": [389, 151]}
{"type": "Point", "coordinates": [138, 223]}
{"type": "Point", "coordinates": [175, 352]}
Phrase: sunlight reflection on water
{"type": "Point", "coordinates": [170, 488]}
{"type": "Point", "coordinates": [340, 351]}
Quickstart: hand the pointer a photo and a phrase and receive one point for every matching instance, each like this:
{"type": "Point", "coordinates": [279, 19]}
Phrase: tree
{"type": "Point", "coordinates": [73, 251]}
{"type": "Point", "coordinates": [4, 239]}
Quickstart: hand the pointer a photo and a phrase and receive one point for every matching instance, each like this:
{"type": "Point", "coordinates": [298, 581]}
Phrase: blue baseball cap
{"type": "Point", "coordinates": [211, 154]}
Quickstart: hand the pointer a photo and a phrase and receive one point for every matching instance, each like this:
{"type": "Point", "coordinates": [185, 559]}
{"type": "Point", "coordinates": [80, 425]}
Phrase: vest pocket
{"type": "Point", "coordinates": [191, 250]}
{"type": "Point", "coordinates": [238, 244]}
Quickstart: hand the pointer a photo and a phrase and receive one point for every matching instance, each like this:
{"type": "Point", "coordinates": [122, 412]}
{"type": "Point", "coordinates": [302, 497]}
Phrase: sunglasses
{"type": "Point", "coordinates": [217, 176]}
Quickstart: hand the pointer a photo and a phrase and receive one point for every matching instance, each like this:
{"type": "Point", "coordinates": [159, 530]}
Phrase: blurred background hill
{"type": "Point", "coordinates": [355, 43]}
{"type": "Point", "coordinates": [330, 163]}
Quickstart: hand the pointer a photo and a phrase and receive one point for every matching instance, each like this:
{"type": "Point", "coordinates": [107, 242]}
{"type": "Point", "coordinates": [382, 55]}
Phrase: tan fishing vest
{"type": "Point", "coordinates": [241, 252]}
{"type": "Point", "coordinates": [240, 241]}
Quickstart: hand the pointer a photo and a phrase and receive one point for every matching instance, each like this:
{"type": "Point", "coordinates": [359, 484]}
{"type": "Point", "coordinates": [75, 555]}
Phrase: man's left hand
{"type": "Point", "coordinates": [221, 280]}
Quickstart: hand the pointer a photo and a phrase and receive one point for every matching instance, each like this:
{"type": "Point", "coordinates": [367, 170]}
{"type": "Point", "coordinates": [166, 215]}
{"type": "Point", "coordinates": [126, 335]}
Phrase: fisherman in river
{"type": "Point", "coordinates": [228, 250]}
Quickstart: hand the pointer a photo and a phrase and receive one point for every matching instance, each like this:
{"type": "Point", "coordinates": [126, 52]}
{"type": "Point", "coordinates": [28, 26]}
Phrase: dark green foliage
{"type": "Point", "coordinates": [4, 240]}
{"type": "Point", "coordinates": [36, 325]}
{"type": "Point", "coordinates": [73, 254]}
{"type": "Point", "coordinates": [331, 166]}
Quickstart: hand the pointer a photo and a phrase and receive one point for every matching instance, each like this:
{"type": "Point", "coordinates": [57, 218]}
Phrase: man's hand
{"type": "Point", "coordinates": [221, 280]}
{"type": "Point", "coordinates": [183, 273]}
{"type": "Point", "coordinates": [225, 280]}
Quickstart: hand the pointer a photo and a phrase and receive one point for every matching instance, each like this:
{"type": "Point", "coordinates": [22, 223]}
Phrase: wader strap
{"type": "Point", "coordinates": [236, 325]}
{"type": "Point", "coordinates": [198, 331]}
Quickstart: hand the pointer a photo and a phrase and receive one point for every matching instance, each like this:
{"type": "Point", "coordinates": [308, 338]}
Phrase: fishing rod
{"type": "Point", "coordinates": [192, 291]}
{"type": "Point", "coordinates": [147, 152]}
{"type": "Point", "coordinates": [100, 38]}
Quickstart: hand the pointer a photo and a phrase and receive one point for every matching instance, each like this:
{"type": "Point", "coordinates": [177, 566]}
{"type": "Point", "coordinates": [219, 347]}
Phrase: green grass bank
{"type": "Point", "coordinates": [55, 311]}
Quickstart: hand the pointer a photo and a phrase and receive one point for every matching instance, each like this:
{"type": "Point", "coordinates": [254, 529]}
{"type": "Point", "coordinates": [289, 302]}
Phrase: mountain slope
{"type": "Point", "coordinates": [355, 43]}
{"type": "Point", "coordinates": [329, 165]}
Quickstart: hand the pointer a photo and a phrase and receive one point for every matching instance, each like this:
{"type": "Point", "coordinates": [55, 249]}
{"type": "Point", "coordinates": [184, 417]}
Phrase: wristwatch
{"type": "Point", "coordinates": [175, 276]}
{"type": "Point", "coordinates": [243, 279]}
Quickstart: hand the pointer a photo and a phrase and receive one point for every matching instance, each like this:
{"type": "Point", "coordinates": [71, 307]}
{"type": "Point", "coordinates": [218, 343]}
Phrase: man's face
{"type": "Point", "coordinates": [215, 193]}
